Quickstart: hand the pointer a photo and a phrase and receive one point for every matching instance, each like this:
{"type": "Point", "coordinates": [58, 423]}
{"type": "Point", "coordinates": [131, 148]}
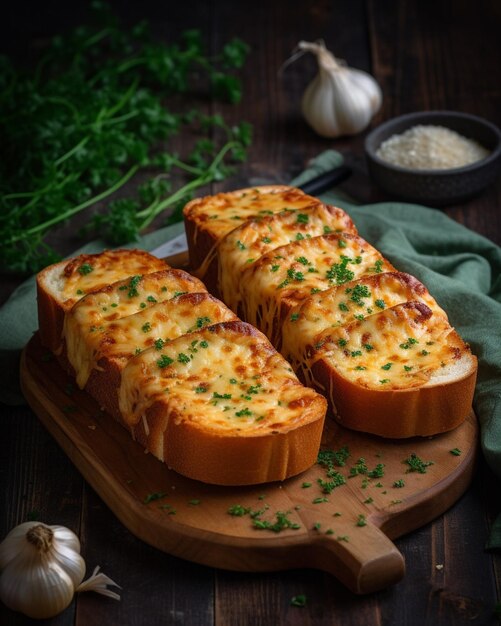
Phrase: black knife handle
{"type": "Point", "coordinates": [326, 180]}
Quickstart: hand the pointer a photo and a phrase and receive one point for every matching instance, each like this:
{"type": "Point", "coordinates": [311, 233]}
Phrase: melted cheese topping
{"type": "Point", "coordinates": [247, 243]}
{"type": "Point", "coordinates": [399, 348]}
{"type": "Point", "coordinates": [300, 269]}
{"type": "Point", "coordinates": [221, 378]}
{"type": "Point", "coordinates": [344, 304]}
{"type": "Point", "coordinates": [220, 214]}
{"type": "Point", "coordinates": [90, 317]}
{"type": "Point", "coordinates": [90, 272]}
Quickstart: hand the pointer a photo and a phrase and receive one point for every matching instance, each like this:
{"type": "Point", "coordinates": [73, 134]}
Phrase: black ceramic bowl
{"type": "Point", "coordinates": [431, 186]}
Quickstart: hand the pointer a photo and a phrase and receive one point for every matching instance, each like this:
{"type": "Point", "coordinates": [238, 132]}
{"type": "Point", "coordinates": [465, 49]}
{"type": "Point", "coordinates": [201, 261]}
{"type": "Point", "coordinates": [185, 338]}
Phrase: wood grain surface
{"type": "Point", "coordinates": [443, 54]}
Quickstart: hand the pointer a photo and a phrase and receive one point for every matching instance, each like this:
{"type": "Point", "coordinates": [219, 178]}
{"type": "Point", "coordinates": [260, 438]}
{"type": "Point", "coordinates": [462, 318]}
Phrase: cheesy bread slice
{"type": "Point", "coordinates": [398, 373]}
{"type": "Point", "coordinates": [247, 243]}
{"type": "Point", "coordinates": [87, 321]}
{"type": "Point", "coordinates": [209, 219]}
{"type": "Point", "coordinates": [221, 405]}
{"type": "Point", "coordinates": [104, 352]}
{"type": "Point", "coordinates": [306, 323]}
{"type": "Point", "coordinates": [60, 285]}
{"type": "Point", "coordinates": [285, 276]}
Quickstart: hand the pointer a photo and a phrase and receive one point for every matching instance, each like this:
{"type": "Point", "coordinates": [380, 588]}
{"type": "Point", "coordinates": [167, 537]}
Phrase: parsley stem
{"type": "Point", "coordinates": [70, 212]}
{"type": "Point", "coordinates": [151, 212]}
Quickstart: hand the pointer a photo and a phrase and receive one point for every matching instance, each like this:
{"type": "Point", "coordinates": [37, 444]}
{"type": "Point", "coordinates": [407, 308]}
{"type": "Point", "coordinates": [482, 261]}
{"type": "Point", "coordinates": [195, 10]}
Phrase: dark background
{"type": "Point", "coordinates": [425, 55]}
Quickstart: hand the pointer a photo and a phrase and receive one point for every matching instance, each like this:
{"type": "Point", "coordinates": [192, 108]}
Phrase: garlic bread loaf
{"type": "Point", "coordinates": [60, 285]}
{"type": "Point", "coordinates": [348, 321]}
{"type": "Point", "coordinates": [221, 403]}
{"type": "Point", "coordinates": [201, 390]}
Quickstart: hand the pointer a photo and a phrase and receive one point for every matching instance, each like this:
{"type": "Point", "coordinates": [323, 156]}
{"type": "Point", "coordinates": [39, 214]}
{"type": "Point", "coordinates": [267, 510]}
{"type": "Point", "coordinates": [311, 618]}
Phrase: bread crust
{"type": "Point", "coordinates": [399, 413]}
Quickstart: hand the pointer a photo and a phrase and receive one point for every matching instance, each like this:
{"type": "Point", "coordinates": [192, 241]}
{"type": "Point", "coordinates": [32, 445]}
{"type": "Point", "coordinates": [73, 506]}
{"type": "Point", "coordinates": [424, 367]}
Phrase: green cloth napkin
{"type": "Point", "coordinates": [461, 269]}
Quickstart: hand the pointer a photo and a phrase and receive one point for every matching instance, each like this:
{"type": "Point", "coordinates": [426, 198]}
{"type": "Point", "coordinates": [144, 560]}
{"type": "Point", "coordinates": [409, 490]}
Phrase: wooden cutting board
{"type": "Point", "coordinates": [347, 532]}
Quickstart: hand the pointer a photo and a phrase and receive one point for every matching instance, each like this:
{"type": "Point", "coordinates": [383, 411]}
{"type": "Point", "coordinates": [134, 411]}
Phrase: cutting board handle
{"type": "Point", "coordinates": [362, 557]}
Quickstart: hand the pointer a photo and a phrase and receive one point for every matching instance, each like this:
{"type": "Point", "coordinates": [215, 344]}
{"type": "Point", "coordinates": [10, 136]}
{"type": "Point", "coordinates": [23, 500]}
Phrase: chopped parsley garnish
{"type": "Point", "coordinates": [356, 353]}
{"type": "Point", "coordinates": [151, 299]}
{"type": "Point", "coordinates": [408, 368]}
{"type": "Point", "coordinates": [361, 520]}
{"type": "Point", "coordinates": [383, 381]}
{"type": "Point", "coordinates": [221, 396]}
{"type": "Point", "coordinates": [299, 600]}
{"type": "Point", "coordinates": [387, 366]}
{"type": "Point", "coordinates": [368, 347]}
{"type": "Point", "coordinates": [238, 510]}
{"type": "Point", "coordinates": [204, 344]}
{"type": "Point", "coordinates": [201, 389]}
{"type": "Point", "coordinates": [303, 260]}
{"type": "Point", "coordinates": [343, 307]}
{"type": "Point", "coordinates": [240, 245]}
{"type": "Point", "coordinates": [341, 243]}
{"type": "Point", "coordinates": [183, 358]}
{"type": "Point", "coordinates": [342, 342]}
{"type": "Point", "coordinates": [302, 218]}
{"type": "Point", "coordinates": [159, 344]}
{"type": "Point", "coordinates": [85, 268]}
{"type": "Point", "coordinates": [266, 240]}
{"type": "Point", "coordinates": [274, 268]}
{"type": "Point", "coordinates": [202, 321]}
{"type": "Point", "coordinates": [339, 273]}
{"type": "Point", "coordinates": [380, 304]}
{"type": "Point", "coordinates": [132, 286]}
{"type": "Point", "coordinates": [398, 484]}
{"type": "Point", "coordinates": [320, 500]}
{"type": "Point", "coordinates": [164, 361]}
{"type": "Point", "coordinates": [424, 353]}
{"type": "Point", "coordinates": [306, 485]}
{"type": "Point", "coordinates": [294, 317]}
{"type": "Point", "coordinates": [146, 327]}
{"type": "Point", "coordinates": [378, 266]}
{"type": "Point", "coordinates": [295, 275]}
{"type": "Point", "coordinates": [416, 464]}
{"type": "Point", "coordinates": [151, 497]}
{"type": "Point", "coordinates": [455, 452]}
{"type": "Point", "coordinates": [243, 413]}
{"type": "Point", "coordinates": [410, 342]}
{"type": "Point", "coordinates": [337, 480]}
{"type": "Point", "coordinates": [358, 292]}
{"type": "Point", "coordinates": [360, 368]}
{"type": "Point", "coordinates": [299, 237]}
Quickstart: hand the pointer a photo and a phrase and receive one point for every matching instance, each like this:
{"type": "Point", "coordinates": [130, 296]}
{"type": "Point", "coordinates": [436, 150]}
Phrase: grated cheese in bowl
{"type": "Point", "coordinates": [430, 147]}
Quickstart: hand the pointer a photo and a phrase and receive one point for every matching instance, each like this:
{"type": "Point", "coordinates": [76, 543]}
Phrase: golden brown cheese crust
{"type": "Point", "coordinates": [246, 244]}
{"type": "Point", "coordinates": [105, 352]}
{"type": "Point", "coordinates": [60, 285]}
{"type": "Point", "coordinates": [282, 278]}
{"type": "Point", "coordinates": [222, 403]}
{"type": "Point", "coordinates": [306, 323]}
{"type": "Point", "coordinates": [209, 219]}
{"type": "Point", "coordinates": [398, 373]}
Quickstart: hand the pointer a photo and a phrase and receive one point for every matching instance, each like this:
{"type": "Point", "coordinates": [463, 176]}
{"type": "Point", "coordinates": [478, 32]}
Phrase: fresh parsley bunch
{"type": "Point", "coordinates": [95, 114]}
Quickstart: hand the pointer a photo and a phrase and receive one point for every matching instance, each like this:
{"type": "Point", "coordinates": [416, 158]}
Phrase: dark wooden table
{"type": "Point", "coordinates": [425, 55]}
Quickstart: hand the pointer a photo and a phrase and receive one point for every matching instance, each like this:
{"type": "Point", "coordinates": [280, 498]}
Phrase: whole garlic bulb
{"type": "Point", "coordinates": [340, 100]}
{"type": "Point", "coordinates": [42, 568]}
